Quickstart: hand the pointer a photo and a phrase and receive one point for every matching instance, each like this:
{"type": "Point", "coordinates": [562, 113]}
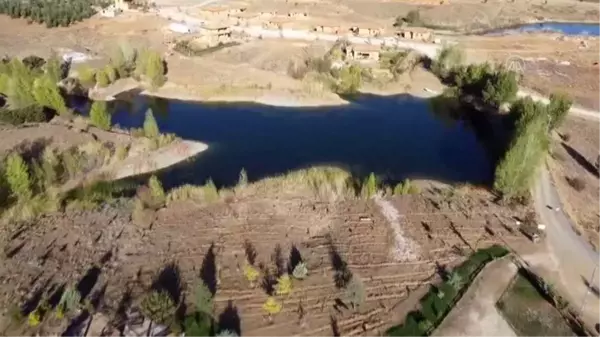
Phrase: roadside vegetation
{"type": "Point", "coordinates": [440, 299]}
{"type": "Point", "coordinates": [186, 48]}
{"type": "Point", "coordinates": [52, 14]}
{"type": "Point", "coordinates": [491, 90]}
{"type": "Point", "coordinates": [332, 71]}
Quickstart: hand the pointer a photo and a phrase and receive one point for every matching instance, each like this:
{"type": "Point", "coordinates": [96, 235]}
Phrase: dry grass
{"type": "Point", "coordinates": [573, 160]}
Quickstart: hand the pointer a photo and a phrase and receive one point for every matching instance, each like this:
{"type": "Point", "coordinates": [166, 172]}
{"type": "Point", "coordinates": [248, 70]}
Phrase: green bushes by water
{"type": "Point", "coordinates": [440, 299]}
{"type": "Point", "coordinates": [30, 85]}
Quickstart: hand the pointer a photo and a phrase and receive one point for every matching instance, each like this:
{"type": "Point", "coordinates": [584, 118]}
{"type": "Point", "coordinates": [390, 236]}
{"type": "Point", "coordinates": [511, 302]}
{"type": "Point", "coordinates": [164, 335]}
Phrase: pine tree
{"type": "Point", "coordinates": [150, 127]}
{"type": "Point", "coordinates": [17, 176]}
{"type": "Point", "coordinates": [99, 115]}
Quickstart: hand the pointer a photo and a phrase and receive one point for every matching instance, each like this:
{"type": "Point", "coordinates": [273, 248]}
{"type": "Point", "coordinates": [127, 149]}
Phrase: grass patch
{"type": "Point", "coordinates": [440, 299]}
{"type": "Point", "coordinates": [529, 313]}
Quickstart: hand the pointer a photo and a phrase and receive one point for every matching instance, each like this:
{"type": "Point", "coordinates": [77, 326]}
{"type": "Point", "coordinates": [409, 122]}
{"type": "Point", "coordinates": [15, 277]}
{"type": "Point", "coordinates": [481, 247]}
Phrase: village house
{"type": "Point", "coordinates": [214, 34]}
{"type": "Point", "coordinates": [415, 33]}
{"type": "Point", "coordinates": [214, 12]}
{"type": "Point", "coordinates": [362, 52]}
{"type": "Point", "coordinates": [243, 19]}
{"type": "Point", "coordinates": [327, 29]}
{"type": "Point", "coordinates": [366, 31]}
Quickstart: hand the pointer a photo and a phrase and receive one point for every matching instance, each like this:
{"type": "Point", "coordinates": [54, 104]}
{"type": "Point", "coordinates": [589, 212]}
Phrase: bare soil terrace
{"type": "Point", "coordinates": [60, 248]}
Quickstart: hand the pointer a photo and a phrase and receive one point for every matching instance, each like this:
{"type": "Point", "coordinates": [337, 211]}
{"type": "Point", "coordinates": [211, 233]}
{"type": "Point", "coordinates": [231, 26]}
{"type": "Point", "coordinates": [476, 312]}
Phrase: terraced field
{"type": "Point", "coordinates": [208, 241]}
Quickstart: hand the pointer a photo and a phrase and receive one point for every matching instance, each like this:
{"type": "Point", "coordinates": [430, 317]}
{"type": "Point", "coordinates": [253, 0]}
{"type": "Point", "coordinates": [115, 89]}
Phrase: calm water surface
{"type": "Point", "coordinates": [395, 137]}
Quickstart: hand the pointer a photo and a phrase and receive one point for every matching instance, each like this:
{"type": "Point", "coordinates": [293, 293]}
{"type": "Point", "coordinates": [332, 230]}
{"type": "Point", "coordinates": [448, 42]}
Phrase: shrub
{"type": "Point", "coordinates": [405, 187]}
{"type": "Point", "coordinates": [251, 273]}
{"type": "Point", "coordinates": [17, 176]}
{"type": "Point", "coordinates": [284, 285]}
{"type": "Point", "coordinates": [350, 80]}
{"type": "Point", "coordinates": [99, 115]}
{"type": "Point", "coordinates": [204, 300]}
{"type": "Point", "coordinates": [53, 69]}
{"type": "Point", "coordinates": [197, 324]}
{"type": "Point", "coordinates": [413, 18]}
{"type": "Point", "coordinates": [271, 306]}
{"type": "Point", "coordinates": [243, 179]}
{"type": "Point", "coordinates": [156, 190]}
{"type": "Point", "coordinates": [211, 193]}
{"type": "Point", "coordinates": [369, 186]}
{"type": "Point", "coordinates": [300, 271]}
{"type": "Point", "coordinates": [151, 65]}
{"type": "Point", "coordinates": [30, 114]}
{"type": "Point", "coordinates": [121, 152]}
{"type": "Point", "coordinates": [558, 109]}
{"type": "Point", "coordinates": [102, 78]}
{"type": "Point", "coordinates": [158, 307]}
{"type": "Point", "coordinates": [150, 126]}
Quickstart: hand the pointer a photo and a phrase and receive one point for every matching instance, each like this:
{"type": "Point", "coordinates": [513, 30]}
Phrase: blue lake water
{"type": "Point", "coordinates": [395, 137]}
{"type": "Point", "coordinates": [567, 28]}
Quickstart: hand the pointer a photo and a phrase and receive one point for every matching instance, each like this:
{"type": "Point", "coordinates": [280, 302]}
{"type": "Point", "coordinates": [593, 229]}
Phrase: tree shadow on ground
{"type": "Point", "coordinates": [278, 260]}
{"type": "Point", "coordinates": [32, 303]}
{"type": "Point", "coordinates": [341, 273]}
{"type": "Point", "coordinates": [294, 259]}
{"type": "Point", "coordinates": [88, 281]}
{"type": "Point", "coordinates": [208, 271]}
{"type": "Point", "coordinates": [229, 319]}
{"type": "Point", "coordinates": [169, 281]}
{"type": "Point", "coordinates": [581, 160]}
{"type": "Point", "coordinates": [335, 330]}
{"type": "Point", "coordinates": [269, 280]}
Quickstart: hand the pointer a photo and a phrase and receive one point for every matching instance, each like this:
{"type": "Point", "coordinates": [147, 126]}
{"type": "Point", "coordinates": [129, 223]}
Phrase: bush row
{"type": "Point", "coordinates": [52, 13]}
{"type": "Point", "coordinates": [438, 302]}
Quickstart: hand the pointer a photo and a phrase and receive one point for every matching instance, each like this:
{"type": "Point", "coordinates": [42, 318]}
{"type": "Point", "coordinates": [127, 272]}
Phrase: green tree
{"type": "Point", "coordinates": [150, 127]}
{"type": "Point", "coordinates": [17, 176]}
{"type": "Point", "coordinates": [111, 73]}
{"type": "Point", "coordinates": [369, 186]}
{"type": "Point", "coordinates": [516, 171]}
{"type": "Point", "coordinates": [99, 115]}
{"type": "Point", "coordinates": [20, 85]}
{"type": "Point", "coordinates": [558, 109]}
{"type": "Point", "coordinates": [47, 93]}
{"type": "Point", "coordinates": [447, 58]}
{"type": "Point", "coordinates": [501, 88]}
{"type": "Point", "coordinates": [350, 80]}
{"type": "Point", "coordinates": [102, 78]}
{"type": "Point", "coordinates": [155, 70]}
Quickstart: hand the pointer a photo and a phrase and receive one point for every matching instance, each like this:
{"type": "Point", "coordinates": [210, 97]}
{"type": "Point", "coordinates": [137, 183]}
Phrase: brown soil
{"type": "Point", "coordinates": [60, 248]}
{"type": "Point", "coordinates": [574, 157]}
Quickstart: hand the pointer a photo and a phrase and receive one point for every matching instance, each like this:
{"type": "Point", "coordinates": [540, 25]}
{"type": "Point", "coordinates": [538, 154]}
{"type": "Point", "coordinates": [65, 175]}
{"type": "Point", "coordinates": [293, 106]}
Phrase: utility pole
{"type": "Point", "coordinates": [589, 288]}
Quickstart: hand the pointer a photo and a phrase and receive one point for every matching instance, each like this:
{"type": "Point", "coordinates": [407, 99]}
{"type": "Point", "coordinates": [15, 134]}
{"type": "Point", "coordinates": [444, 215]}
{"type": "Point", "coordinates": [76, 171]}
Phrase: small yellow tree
{"type": "Point", "coordinates": [17, 176]}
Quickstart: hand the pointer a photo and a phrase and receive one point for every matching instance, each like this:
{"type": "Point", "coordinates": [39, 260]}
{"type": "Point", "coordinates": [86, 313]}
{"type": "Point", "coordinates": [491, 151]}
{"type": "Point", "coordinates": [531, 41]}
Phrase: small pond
{"type": "Point", "coordinates": [567, 28]}
{"type": "Point", "coordinates": [395, 137]}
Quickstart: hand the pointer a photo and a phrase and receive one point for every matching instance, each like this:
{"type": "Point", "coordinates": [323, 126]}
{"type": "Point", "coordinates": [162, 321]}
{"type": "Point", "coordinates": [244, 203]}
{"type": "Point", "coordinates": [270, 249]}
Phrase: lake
{"type": "Point", "coordinates": [395, 137]}
{"type": "Point", "coordinates": [567, 28]}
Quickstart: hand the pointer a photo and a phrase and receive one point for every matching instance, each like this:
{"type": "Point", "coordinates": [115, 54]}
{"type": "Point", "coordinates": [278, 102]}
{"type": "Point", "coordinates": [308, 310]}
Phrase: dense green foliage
{"type": "Point", "coordinates": [150, 66]}
{"type": "Point", "coordinates": [29, 85]}
{"type": "Point", "coordinates": [436, 304]}
{"type": "Point", "coordinates": [150, 127]}
{"type": "Point", "coordinates": [17, 176]}
{"type": "Point", "coordinates": [31, 114]}
{"type": "Point", "coordinates": [558, 108]}
{"type": "Point", "coordinates": [349, 80]}
{"type": "Point", "coordinates": [52, 13]}
{"type": "Point", "coordinates": [447, 58]}
{"type": "Point", "coordinates": [516, 171]}
{"type": "Point", "coordinates": [99, 115]}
